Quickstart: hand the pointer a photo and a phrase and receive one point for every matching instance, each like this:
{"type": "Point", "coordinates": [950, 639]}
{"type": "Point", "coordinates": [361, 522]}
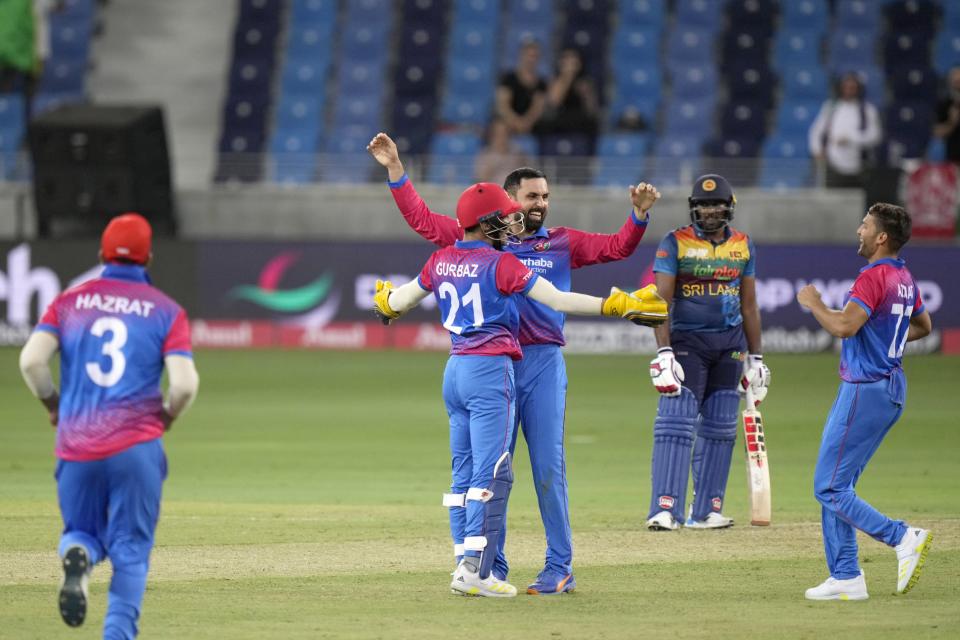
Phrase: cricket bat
{"type": "Point", "coordinates": [758, 471]}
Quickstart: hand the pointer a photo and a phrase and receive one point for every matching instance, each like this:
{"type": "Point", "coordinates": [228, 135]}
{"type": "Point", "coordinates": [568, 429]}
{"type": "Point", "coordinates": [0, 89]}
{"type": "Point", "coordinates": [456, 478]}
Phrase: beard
{"type": "Point", "coordinates": [531, 224]}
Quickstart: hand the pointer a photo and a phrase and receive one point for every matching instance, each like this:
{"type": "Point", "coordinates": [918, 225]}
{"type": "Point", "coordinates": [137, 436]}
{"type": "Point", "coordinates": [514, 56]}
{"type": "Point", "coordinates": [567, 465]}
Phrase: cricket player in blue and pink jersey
{"type": "Point", "coordinates": [881, 313]}
{"type": "Point", "coordinates": [541, 375]}
{"type": "Point", "coordinates": [115, 334]}
{"type": "Point", "coordinates": [475, 287]}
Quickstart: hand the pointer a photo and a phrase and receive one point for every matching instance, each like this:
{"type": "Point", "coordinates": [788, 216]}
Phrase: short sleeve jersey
{"type": "Point", "coordinates": [707, 294]}
{"type": "Point", "coordinates": [885, 289]}
{"type": "Point", "coordinates": [474, 284]}
{"type": "Point", "coordinates": [114, 332]}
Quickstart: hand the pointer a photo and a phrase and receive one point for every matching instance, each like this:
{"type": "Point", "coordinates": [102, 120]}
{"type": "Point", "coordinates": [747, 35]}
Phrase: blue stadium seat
{"type": "Point", "coordinates": [741, 46]}
{"type": "Point", "coordinates": [346, 159]}
{"type": "Point", "coordinates": [785, 163]}
{"type": "Point", "coordinates": [299, 113]}
{"type": "Point", "coordinates": [804, 83]}
{"type": "Point", "coordinates": [688, 46]}
{"type": "Point", "coordinates": [620, 158]}
{"type": "Point", "coordinates": [735, 147]}
{"type": "Point", "coordinates": [413, 79]}
{"type": "Point", "coordinates": [63, 77]}
{"type": "Point", "coordinates": [12, 116]}
{"type": "Point", "coordinates": [793, 47]}
{"type": "Point", "coordinates": [425, 14]}
{"type": "Point", "coordinates": [476, 12]}
{"type": "Point", "coordinates": [851, 49]}
{"type": "Point", "coordinates": [255, 40]}
{"type": "Point", "coordinates": [637, 80]}
{"type": "Point", "coordinates": [625, 108]}
{"type": "Point", "coordinates": [946, 51]}
{"type": "Point", "coordinates": [360, 79]}
{"type": "Point", "coordinates": [250, 76]}
{"type": "Point", "coordinates": [936, 150]}
{"type": "Point", "coordinates": [70, 39]}
{"type": "Point", "coordinates": [452, 157]}
{"type": "Point", "coordinates": [293, 156]}
{"type": "Point", "coordinates": [363, 42]}
{"type": "Point", "coordinates": [472, 41]}
{"type": "Point", "coordinates": [910, 82]}
{"type": "Point", "coordinates": [413, 122]}
{"type": "Point", "coordinates": [813, 15]}
{"type": "Point", "coordinates": [752, 82]}
{"type": "Point", "coordinates": [690, 117]}
{"type": "Point", "coordinates": [743, 119]}
{"type": "Point", "coordinates": [903, 47]}
{"type": "Point", "coordinates": [304, 79]}
{"type": "Point", "coordinates": [795, 117]}
{"type": "Point", "coordinates": [675, 161]}
{"type": "Point", "coordinates": [636, 43]}
{"type": "Point", "coordinates": [859, 15]}
{"type": "Point", "coordinates": [310, 43]}
{"type": "Point", "coordinates": [909, 124]}
{"type": "Point", "coordinates": [755, 16]}
{"type": "Point", "coordinates": [646, 12]}
{"type": "Point", "coordinates": [528, 144]}
{"type": "Point", "coordinates": [245, 114]}
{"type": "Point", "coordinates": [699, 14]}
{"type": "Point", "coordinates": [305, 13]}
{"type": "Point", "coordinates": [694, 82]}
{"type": "Point", "coordinates": [914, 15]}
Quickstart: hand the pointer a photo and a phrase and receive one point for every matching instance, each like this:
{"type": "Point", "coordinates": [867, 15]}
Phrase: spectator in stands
{"type": "Point", "coordinates": [572, 102]}
{"type": "Point", "coordinates": [25, 46]}
{"type": "Point", "coordinates": [521, 94]}
{"type": "Point", "coordinates": [844, 134]}
{"type": "Point", "coordinates": [948, 117]}
{"type": "Point", "coordinates": [500, 156]}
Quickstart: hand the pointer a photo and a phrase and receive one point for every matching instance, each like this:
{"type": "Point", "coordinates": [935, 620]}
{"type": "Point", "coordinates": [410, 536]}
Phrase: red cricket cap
{"type": "Point", "coordinates": [482, 200]}
{"type": "Point", "coordinates": [127, 237]}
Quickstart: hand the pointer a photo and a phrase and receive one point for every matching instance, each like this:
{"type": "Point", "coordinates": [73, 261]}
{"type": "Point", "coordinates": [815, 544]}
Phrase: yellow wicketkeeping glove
{"type": "Point", "coordinates": [381, 302]}
{"type": "Point", "coordinates": [643, 306]}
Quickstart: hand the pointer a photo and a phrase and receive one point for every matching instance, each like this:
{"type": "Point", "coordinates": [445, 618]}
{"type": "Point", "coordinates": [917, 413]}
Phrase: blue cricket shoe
{"type": "Point", "coordinates": [551, 582]}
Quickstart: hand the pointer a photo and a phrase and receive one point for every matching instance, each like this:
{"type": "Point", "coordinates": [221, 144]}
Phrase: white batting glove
{"type": "Point", "coordinates": [666, 372]}
{"type": "Point", "coordinates": [756, 375]}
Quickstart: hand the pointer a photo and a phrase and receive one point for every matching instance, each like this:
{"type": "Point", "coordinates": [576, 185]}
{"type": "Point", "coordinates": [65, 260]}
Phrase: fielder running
{"type": "Point", "coordinates": [541, 375]}
{"type": "Point", "coordinates": [706, 270]}
{"type": "Point", "coordinates": [474, 285]}
{"type": "Point", "coordinates": [881, 313]}
{"type": "Point", "coordinates": [115, 335]}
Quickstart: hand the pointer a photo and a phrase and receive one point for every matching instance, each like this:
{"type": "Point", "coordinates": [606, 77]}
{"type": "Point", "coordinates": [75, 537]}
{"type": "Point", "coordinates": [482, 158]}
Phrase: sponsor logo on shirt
{"type": "Point", "coordinates": [696, 252]}
{"type": "Point", "coordinates": [661, 253]}
{"type": "Point", "coordinates": [114, 304]}
{"type": "Point", "coordinates": [540, 265]}
{"type": "Point", "coordinates": [468, 270]}
{"type": "Point", "coordinates": [543, 245]}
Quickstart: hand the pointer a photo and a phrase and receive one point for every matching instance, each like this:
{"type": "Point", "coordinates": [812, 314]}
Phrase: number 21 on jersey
{"type": "Point", "coordinates": [453, 321]}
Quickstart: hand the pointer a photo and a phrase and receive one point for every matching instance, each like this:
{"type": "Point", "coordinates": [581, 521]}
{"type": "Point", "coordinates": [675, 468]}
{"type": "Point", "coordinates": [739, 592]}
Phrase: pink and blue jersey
{"type": "Point", "coordinates": [114, 332]}
{"type": "Point", "coordinates": [474, 286]}
{"type": "Point", "coordinates": [886, 290]}
{"type": "Point", "coordinates": [551, 253]}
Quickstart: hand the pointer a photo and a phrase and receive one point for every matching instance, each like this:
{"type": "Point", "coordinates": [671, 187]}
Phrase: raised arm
{"type": "Point", "coordinates": [437, 228]}
{"type": "Point", "coordinates": [595, 248]}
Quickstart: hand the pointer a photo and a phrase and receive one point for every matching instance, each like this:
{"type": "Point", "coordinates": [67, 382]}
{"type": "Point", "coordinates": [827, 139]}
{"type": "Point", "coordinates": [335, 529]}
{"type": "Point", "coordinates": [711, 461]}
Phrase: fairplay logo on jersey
{"type": "Point", "coordinates": [312, 305]}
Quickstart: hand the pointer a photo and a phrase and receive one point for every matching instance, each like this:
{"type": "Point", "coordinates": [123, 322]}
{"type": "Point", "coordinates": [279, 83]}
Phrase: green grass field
{"type": "Point", "coordinates": [304, 502]}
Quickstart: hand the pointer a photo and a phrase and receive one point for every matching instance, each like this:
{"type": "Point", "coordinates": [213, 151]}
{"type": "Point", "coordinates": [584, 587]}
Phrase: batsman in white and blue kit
{"type": "Point", "coordinates": [115, 334]}
{"type": "Point", "coordinates": [474, 284]}
{"type": "Point", "coordinates": [882, 312]}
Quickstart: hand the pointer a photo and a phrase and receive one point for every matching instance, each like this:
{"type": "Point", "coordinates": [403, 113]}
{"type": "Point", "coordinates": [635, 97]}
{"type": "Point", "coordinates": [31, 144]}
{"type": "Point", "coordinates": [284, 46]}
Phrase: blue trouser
{"type": "Point", "coordinates": [110, 507]}
{"type": "Point", "coordinates": [861, 416]}
{"type": "Point", "coordinates": [541, 407]}
{"type": "Point", "coordinates": [712, 363]}
{"type": "Point", "coordinates": [480, 398]}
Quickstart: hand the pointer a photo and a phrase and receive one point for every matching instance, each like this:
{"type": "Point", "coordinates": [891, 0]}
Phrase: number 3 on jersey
{"type": "Point", "coordinates": [111, 349]}
{"type": "Point", "coordinates": [472, 299]}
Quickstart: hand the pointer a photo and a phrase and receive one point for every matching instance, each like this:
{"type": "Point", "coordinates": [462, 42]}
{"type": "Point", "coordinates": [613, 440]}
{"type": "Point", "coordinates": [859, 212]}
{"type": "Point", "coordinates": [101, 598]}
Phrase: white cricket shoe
{"type": "Point", "coordinates": [833, 589]}
{"type": "Point", "coordinates": [713, 520]}
{"type": "Point", "coordinates": [468, 583]}
{"type": "Point", "coordinates": [911, 554]}
{"type": "Point", "coordinates": [663, 521]}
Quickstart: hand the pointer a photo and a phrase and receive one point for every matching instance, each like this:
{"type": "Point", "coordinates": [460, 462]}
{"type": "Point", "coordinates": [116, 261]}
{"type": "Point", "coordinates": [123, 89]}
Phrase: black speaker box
{"type": "Point", "coordinates": [93, 162]}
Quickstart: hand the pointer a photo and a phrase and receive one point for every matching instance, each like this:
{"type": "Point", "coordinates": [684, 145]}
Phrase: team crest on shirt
{"type": "Point", "coordinates": [543, 245]}
{"type": "Point", "coordinates": [666, 502]}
